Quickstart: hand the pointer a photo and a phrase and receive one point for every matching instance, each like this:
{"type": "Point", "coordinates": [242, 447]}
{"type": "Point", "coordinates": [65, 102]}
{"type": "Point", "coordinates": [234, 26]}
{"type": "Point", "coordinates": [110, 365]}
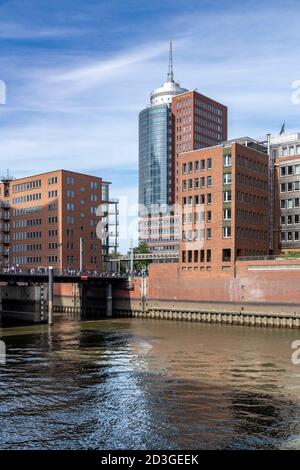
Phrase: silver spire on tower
{"type": "Point", "coordinates": [165, 93]}
{"type": "Point", "coordinates": [170, 71]}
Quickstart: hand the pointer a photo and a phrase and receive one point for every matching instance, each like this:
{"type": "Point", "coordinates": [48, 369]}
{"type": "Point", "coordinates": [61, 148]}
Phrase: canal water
{"type": "Point", "coordinates": [148, 384]}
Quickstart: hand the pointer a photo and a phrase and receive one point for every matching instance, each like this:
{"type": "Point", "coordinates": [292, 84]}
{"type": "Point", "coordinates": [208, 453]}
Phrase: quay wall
{"type": "Point", "coordinates": [260, 293]}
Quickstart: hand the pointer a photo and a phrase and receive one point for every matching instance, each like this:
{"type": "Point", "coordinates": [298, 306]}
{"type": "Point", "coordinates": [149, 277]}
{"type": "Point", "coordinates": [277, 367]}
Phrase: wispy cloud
{"type": "Point", "coordinates": [13, 30]}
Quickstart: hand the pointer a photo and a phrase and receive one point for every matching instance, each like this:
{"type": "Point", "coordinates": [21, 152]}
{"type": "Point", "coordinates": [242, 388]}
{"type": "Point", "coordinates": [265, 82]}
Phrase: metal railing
{"type": "Point", "coordinates": [61, 273]}
{"type": "Point", "coordinates": [266, 258]}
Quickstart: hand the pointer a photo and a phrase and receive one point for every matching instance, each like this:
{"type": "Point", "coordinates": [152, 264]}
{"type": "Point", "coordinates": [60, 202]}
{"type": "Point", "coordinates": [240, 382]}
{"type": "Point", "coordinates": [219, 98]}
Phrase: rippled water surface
{"type": "Point", "coordinates": [148, 384]}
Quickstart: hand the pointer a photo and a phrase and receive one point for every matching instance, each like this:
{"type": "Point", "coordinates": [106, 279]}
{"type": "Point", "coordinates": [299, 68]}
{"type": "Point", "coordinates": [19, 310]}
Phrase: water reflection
{"type": "Point", "coordinates": [148, 384]}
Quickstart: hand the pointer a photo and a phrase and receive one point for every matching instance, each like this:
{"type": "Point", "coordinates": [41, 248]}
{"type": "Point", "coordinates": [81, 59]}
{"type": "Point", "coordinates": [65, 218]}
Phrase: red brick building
{"type": "Point", "coordinates": [224, 194]}
{"type": "Point", "coordinates": [44, 216]}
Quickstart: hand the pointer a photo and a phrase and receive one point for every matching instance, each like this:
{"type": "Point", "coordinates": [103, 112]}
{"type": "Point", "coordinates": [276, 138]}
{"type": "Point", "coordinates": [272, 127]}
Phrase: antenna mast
{"type": "Point", "coordinates": [170, 71]}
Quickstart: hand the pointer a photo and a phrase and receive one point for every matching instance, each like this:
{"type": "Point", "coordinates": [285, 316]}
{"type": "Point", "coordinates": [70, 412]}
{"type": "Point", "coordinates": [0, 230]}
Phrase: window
{"type": "Point", "coordinates": [93, 185]}
{"type": "Point", "coordinates": [226, 232]}
{"type": "Point", "coordinates": [297, 219]}
{"type": "Point", "coordinates": [196, 165]}
{"type": "Point", "coordinates": [208, 232]}
{"type": "Point", "coordinates": [209, 198]}
{"type": "Point", "coordinates": [202, 182]}
{"type": "Point", "coordinates": [227, 178]}
{"type": "Point", "coordinates": [282, 188]}
{"type": "Point", "coordinates": [227, 160]}
{"type": "Point", "coordinates": [209, 181]}
{"type": "Point", "coordinates": [208, 256]}
{"type": "Point", "coordinates": [297, 169]}
{"type": "Point", "coordinates": [209, 163]}
{"type": "Point", "coordinates": [226, 214]}
{"type": "Point", "coordinates": [226, 255]}
{"type": "Point", "coordinates": [282, 220]}
{"type": "Point", "coordinates": [290, 186]}
{"type": "Point", "coordinates": [282, 203]}
{"type": "Point", "coordinates": [227, 196]}
{"type": "Point", "coordinates": [283, 171]}
{"type": "Point", "coordinates": [190, 184]}
{"type": "Point", "coordinates": [282, 236]}
{"type": "Point", "coordinates": [290, 170]}
{"type": "Point", "coordinates": [289, 219]}
{"type": "Point", "coordinates": [183, 168]}
{"type": "Point", "coordinates": [190, 167]}
{"type": "Point", "coordinates": [208, 216]}
{"type": "Point", "coordinates": [202, 165]}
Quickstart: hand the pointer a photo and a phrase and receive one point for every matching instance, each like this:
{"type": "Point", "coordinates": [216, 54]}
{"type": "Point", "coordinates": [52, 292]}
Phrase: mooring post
{"type": "Point", "coordinates": [109, 300]}
{"type": "Point", "coordinates": [50, 295]}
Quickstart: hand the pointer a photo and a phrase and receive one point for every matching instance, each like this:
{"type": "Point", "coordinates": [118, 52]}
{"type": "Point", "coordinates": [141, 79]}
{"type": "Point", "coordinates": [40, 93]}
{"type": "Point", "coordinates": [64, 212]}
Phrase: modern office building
{"type": "Point", "coordinates": [285, 150]}
{"type": "Point", "coordinates": [224, 193]}
{"type": "Point", "coordinates": [156, 145]}
{"type": "Point", "coordinates": [176, 120]}
{"type": "Point", "coordinates": [43, 218]}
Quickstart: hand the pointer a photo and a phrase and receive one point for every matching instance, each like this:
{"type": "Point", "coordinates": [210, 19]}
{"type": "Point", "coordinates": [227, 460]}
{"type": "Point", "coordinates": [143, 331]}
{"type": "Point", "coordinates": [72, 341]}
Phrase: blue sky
{"type": "Point", "coordinates": [78, 73]}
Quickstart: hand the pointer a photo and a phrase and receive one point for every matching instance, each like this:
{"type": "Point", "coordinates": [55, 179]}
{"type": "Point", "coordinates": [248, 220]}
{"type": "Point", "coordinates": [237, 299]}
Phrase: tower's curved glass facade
{"type": "Point", "coordinates": [155, 156]}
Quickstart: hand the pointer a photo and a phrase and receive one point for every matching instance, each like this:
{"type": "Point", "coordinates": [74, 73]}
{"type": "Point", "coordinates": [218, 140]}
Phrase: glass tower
{"type": "Point", "coordinates": [156, 144]}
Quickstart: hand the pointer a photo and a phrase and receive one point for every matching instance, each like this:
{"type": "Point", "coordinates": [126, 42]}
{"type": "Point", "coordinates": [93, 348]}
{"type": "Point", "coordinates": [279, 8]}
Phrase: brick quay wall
{"type": "Point", "coordinates": [259, 293]}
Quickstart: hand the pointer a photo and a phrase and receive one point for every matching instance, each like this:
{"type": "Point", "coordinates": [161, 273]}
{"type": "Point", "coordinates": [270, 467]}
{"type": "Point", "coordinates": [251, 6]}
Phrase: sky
{"type": "Point", "coordinates": [78, 73]}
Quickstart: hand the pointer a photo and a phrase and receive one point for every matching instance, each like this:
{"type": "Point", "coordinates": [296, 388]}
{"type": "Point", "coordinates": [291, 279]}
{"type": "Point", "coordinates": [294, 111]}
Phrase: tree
{"type": "Point", "coordinates": [141, 249]}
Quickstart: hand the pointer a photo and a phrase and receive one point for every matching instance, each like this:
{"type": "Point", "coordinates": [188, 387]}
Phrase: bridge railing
{"type": "Point", "coordinates": [61, 273]}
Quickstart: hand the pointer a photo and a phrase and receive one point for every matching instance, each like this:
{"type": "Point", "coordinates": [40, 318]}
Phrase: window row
{"type": "Point", "coordinates": [252, 199]}
{"type": "Point", "coordinates": [197, 183]}
{"type": "Point", "coordinates": [195, 256]}
{"type": "Point", "coordinates": [289, 236]}
{"type": "Point", "coordinates": [290, 219]}
{"type": "Point", "coordinates": [197, 165]}
{"type": "Point", "coordinates": [251, 181]}
{"type": "Point", "coordinates": [196, 200]}
{"type": "Point", "coordinates": [250, 216]}
{"type": "Point", "coordinates": [290, 186]}
{"type": "Point", "coordinates": [26, 235]}
{"type": "Point", "coordinates": [26, 223]}
{"type": "Point", "coordinates": [250, 234]}
{"type": "Point", "coordinates": [249, 164]}
{"type": "Point", "coordinates": [24, 248]}
{"type": "Point", "coordinates": [27, 198]}
{"type": "Point", "coordinates": [290, 170]}
{"type": "Point", "coordinates": [20, 260]}
{"type": "Point", "coordinates": [290, 203]}
{"type": "Point", "coordinates": [25, 186]}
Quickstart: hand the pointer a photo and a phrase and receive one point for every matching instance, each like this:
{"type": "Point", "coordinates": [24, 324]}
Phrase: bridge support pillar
{"type": "Point", "coordinates": [109, 300]}
{"type": "Point", "coordinates": [83, 303]}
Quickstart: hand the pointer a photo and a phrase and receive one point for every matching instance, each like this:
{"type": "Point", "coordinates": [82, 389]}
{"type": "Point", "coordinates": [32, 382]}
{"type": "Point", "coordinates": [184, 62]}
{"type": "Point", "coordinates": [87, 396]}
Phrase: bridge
{"type": "Point", "coordinates": [29, 296]}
